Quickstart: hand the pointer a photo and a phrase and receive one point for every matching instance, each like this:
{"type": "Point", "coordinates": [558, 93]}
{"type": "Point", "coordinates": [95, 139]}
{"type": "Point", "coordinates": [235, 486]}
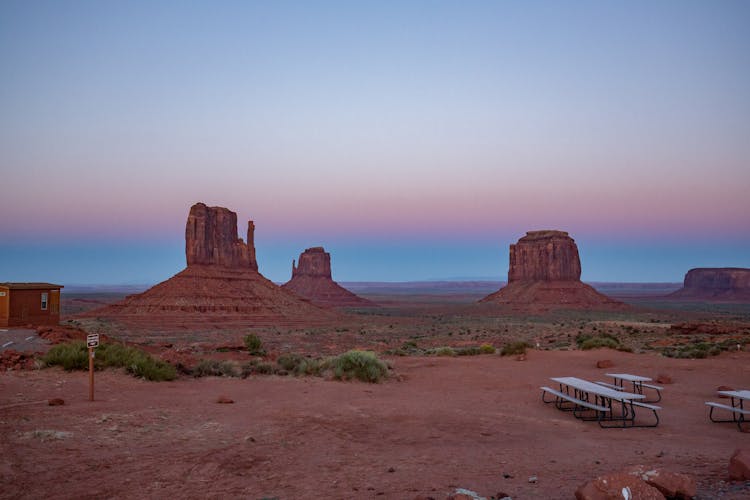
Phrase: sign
{"type": "Point", "coordinates": [92, 340]}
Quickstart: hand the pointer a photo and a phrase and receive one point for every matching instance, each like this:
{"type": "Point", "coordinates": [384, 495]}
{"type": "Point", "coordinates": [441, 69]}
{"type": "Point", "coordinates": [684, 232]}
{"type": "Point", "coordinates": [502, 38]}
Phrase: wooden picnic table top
{"type": "Point", "coordinates": [741, 394]}
{"type": "Point", "coordinates": [629, 377]}
{"type": "Point", "coordinates": [599, 390]}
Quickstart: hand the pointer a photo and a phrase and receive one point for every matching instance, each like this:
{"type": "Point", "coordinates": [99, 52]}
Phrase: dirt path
{"type": "Point", "coordinates": [470, 422]}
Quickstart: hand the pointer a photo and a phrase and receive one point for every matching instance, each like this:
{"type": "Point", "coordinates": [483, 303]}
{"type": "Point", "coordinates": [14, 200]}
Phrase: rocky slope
{"type": "Point", "coordinates": [719, 283]}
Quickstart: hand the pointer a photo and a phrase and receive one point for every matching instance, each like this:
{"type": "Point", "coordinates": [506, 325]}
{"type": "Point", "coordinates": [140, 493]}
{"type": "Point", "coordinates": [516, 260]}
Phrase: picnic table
{"type": "Point", "coordinates": [737, 409]}
{"type": "Point", "coordinates": [638, 382]}
{"type": "Point", "coordinates": [608, 405]}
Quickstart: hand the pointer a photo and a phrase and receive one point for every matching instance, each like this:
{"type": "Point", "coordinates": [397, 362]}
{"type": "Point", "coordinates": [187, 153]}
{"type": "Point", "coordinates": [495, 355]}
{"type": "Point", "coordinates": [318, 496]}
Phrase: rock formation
{"type": "Point", "coordinates": [312, 280]}
{"type": "Point", "coordinates": [220, 285]}
{"type": "Point", "coordinates": [544, 273]}
{"type": "Point", "coordinates": [717, 283]}
{"type": "Point", "coordinates": [211, 238]}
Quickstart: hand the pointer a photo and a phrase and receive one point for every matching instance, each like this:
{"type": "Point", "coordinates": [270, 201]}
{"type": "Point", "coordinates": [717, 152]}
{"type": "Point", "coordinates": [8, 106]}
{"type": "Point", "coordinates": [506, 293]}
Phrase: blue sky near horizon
{"type": "Point", "coordinates": [413, 140]}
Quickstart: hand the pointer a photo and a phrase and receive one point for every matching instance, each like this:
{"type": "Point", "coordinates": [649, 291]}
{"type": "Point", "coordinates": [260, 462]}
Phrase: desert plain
{"type": "Point", "coordinates": [441, 420]}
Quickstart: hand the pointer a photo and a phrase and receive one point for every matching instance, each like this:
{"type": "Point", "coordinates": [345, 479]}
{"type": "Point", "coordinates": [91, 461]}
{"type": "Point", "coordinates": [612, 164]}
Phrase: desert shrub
{"type": "Point", "coordinates": [487, 349]}
{"type": "Point", "coordinates": [698, 350]}
{"type": "Point", "coordinates": [444, 351]}
{"type": "Point", "coordinates": [290, 362]}
{"type": "Point", "coordinates": [598, 342]}
{"type": "Point", "coordinates": [254, 345]}
{"type": "Point", "coordinates": [360, 365]}
{"type": "Point", "coordinates": [74, 356]}
{"type": "Point", "coordinates": [258, 368]}
{"type": "Point", "coordinates": [215, 368]}
{"type": "Point", "coordinates": [71, 356]}
{"type": "Point", "coordinates": [468, 351]}
{"type": "Point", "coordinates": [518, 347]}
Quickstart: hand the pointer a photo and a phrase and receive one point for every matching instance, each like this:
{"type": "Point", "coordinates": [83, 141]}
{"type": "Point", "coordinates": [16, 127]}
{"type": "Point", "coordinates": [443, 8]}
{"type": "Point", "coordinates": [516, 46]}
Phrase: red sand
{"type": "Point", "coordinates": [437, 424]}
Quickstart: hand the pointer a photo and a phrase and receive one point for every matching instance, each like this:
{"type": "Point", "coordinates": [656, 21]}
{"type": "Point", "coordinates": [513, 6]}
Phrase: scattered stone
{"type": "Point", "coordinates": [391, 469]}
{"type": "Point", "coordinates": [532, 479]}
{"type": "Point", "coordinates": [225, 400]}
{"type": "Point", "coordinates": [507, 476]}
{"type": "Point", "coordinates": [672, 484]}
{"type": "Point", "coordinates": [503, 496]}
{"type": "Point", "coordinates": [55, 402]}
{"type": "Point", "coordinates": [521, 357]}
{"type": "Point", "coordinates": [739, 465]}
{"type": "Point", "coordinates": [604, 363]}
{"type": "Point", "coordinates": [622, 486]}
{"type": "Point", "coordinates": [663, 379]}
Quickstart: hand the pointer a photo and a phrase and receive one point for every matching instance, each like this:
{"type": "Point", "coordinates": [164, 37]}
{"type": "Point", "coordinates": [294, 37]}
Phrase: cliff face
{"type": "Point", "coordinates": [545, 273]}
{"type": "Point", "coordinates": [719, 283]}
{"type": "Point", "coordinates": [211, 239]}
{"type": "Point", "coordinates": [544, 256]}
{"type": "Point", "coordinates": [311, 279]}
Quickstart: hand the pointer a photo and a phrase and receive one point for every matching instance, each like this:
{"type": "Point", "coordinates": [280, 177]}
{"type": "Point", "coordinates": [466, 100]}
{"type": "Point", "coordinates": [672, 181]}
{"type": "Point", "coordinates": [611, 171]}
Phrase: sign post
{"type": "Point", "coordinates": [92, 342]}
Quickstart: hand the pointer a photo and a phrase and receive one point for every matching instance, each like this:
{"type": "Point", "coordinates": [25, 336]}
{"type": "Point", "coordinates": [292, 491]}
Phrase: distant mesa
{"type": "Point", "coordinates": [221, 284]}
{"type": "Point", "coordinates": [312, 280]}
{"type": "Point", "coordinates": [545, 272]}
{"type": "Point", "coordinates": [715, 283]}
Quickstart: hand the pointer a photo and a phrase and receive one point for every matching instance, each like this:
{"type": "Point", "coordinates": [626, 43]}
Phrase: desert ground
{"type": "Point", "coordinates": [437, 423]}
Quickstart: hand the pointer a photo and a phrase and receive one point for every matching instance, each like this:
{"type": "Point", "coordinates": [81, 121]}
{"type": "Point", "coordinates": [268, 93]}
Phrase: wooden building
{"type": "Point", "coordinates": [29, 304]}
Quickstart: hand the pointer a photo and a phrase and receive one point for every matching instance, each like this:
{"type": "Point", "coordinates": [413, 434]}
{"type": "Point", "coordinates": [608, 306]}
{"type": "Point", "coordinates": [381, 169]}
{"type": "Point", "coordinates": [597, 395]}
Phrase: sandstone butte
{"type": "Point", "coordinates": [715, 283]}
{"type": "Point", "coordinates": [312, 280]}
{"type": "Point", "coordinates": [221, 283]}
{"type": "Point", "coordinates": [545, 273]}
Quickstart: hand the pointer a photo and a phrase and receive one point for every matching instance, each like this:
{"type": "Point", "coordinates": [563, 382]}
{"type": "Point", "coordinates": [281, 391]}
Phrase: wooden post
{"type": "Point", "coordinates": [91, 373]}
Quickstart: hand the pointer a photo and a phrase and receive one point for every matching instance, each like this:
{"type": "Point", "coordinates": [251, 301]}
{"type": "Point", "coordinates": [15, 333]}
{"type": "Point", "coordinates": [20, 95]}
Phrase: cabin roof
{"type": "Point", "coordinates": [30, 286]}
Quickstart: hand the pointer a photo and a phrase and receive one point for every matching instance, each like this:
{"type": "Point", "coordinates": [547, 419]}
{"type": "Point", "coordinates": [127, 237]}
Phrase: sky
{"type": "Point", "coordinates": [414, 140]}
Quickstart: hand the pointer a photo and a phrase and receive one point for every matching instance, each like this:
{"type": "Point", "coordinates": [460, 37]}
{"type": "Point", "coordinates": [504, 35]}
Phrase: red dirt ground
{"type": "Point", "coordinates": [436, 425]}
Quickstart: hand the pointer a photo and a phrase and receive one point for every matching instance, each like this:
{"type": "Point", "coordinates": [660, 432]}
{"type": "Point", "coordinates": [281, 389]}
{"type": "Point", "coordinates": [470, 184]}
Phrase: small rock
{"type": "Point", "coordinates": [55, 402]}
{"type": "Point", "coordinates": [225, 400]}
{"type": "Point", "coordinates": [521, 357]}
{"type": "Point", "coordinates": [532, 479]}
{"type": "Point", "coordinates": [613, 485]}
{"type": "Point", "coordinates": [739, 465]}
{"type": "Point", "coordinates": [507, 476]}
{"type": "Point", "coordinates": [604, 363]}
{"type": "Point", "coordinates": [391, 469]}
{"type": "Point", "coordinates": [671, 484]}
{"type": "Point", "coordinates": [503, 496]}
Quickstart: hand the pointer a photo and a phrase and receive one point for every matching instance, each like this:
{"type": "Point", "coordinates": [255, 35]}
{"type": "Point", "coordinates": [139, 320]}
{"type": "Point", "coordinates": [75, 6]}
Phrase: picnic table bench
{"type": "Point", "coordinates": [736, 409]}
{"type": "Point", "coordinates": [638, 382]}
{"type": "Point", "coordinates": [583, 397]}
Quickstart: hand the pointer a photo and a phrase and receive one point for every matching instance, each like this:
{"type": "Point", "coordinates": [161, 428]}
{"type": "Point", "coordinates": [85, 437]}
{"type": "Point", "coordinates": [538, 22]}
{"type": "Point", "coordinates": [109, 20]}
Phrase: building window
{"type": "Point", "coordinates": [45, 297]}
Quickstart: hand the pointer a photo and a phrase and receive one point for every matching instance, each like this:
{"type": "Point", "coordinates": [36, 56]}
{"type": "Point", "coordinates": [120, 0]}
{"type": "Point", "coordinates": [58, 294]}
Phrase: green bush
{"type": "Point", "coordinates": [444, 351]}
{"type": "Point", "coordinates": [698, 350]}
{"type": "Point", "coordinates": [71, 356]}
{"type": "Point", "coordinates": [215, 368]}
{"type": "Point", "coordinates": [360, 365]}
{"type": "Point", "coordinates": [514, 348]}
{"type": "Point", "coordinates": [74, 356]}
{"type": "Point", "coordinates": [258, 368]}
{"type": "Point", "coordinates": [290, 362]}
{"type": "Point", "coordinates": [487, 349]}
{"type": "Point", "coordinates": [599, 342]}
{"type": "Point", "coordinates": [468, 351]}
{"type": "Point", "coordinates": [254, 345]}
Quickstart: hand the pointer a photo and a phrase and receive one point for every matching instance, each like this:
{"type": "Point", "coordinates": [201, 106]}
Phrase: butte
{"type": "Point", "coordinates": [221, 284]}
{"type": "Point", "coordinates": [312, 280]}
{"type": "Point", "coordinates": [731, 284]}
{"type": "Point", "coordinates": [545, 273]}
